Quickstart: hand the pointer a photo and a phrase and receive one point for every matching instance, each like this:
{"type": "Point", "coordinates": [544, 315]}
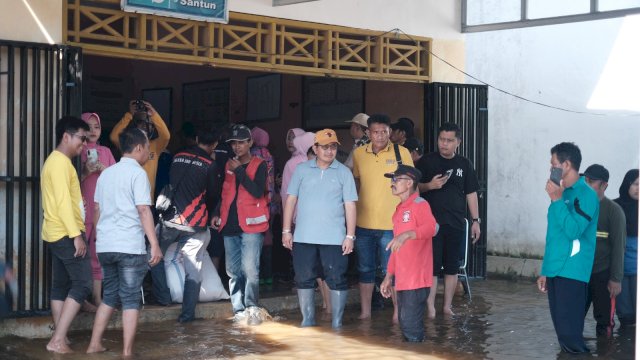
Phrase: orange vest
{"type": "Point", "coordinates": [253, 214]}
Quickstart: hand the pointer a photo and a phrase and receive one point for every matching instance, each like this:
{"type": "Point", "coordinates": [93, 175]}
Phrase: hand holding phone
{"type": "Point", "coordinates": [92, 156]}
{"type": "Point", "coordinates": [448, 173]}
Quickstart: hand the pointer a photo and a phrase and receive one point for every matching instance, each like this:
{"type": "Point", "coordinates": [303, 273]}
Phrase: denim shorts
{"type": "Point", "coordinates": [71, 275]}
{"type": "Point", "coordinates": [370, 247]}
{"type": "Point", "coordinates": [123, 275]}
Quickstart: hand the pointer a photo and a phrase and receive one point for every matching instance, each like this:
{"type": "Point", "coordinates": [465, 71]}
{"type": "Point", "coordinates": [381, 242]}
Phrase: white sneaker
{"type": "Point", "coordinates": [240, 316]}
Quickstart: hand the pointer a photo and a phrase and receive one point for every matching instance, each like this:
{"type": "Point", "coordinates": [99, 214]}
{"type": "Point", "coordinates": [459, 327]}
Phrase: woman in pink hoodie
{"type": "Point", "coordinates": [292, 134]}
{"type": "Point", "coordinates": [301, 145]}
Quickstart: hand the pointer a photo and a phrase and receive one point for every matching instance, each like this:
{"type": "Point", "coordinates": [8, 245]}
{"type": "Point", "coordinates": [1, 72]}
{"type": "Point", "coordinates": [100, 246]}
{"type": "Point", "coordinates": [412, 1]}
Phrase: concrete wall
{"type": "Point", "coordinates": [20, 24]}
{"type": "Point", "coordinates": [558, 65]}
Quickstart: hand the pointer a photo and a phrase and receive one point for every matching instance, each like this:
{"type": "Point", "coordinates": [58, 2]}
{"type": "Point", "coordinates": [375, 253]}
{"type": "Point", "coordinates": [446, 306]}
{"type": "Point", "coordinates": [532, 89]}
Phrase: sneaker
{"type": "Point", "coordinates": [253, 318]}
{"type": "Point", "coordinates": [240, 316]}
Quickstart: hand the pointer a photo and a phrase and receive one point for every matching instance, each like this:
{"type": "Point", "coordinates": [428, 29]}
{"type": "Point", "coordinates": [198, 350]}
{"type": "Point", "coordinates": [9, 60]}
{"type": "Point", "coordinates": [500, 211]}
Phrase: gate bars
{"type": "Point", "coordinates": [465, 105]}
{"type": "Point", "coordinates": [39, 83]}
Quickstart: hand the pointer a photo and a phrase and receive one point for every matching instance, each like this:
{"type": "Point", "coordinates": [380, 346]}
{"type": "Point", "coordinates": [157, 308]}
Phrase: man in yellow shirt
{"type": "Point", "coordinates": [157, 131]}
{"type": "Point", "coordinates": [376, 205]}
{"type": "Point", "coordinates": [63, 229]}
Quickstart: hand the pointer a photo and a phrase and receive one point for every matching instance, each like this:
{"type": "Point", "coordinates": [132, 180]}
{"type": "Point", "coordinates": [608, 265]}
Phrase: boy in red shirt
{"type": "Point", "coordinates": [411, 260]}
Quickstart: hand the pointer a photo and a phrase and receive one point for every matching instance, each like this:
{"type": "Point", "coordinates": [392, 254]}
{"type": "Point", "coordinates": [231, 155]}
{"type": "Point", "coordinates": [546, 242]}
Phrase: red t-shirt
{"type": "Point", "coordinates": [412, 265]}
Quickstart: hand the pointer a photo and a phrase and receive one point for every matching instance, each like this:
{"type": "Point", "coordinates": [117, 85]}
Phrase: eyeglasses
{"type": "Point", "coordinates": [395, 178]}
{"type": "Point", "coordinates": [329, 146]}
{"type": "Point", "coordinates": [84, 138]}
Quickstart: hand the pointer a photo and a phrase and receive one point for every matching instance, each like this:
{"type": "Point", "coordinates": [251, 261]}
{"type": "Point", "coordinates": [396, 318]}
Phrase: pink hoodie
{"type": "Point", "coordinates": [302, 143]}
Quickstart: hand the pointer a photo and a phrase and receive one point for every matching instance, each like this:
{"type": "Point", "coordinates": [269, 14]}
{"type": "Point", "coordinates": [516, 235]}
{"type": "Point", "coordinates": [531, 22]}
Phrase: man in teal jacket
{"type": "Point", "coordinates": [570, 247]}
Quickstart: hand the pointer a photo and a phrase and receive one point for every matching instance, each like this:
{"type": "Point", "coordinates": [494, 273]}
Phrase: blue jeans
{"type": "Point", "coordinates": [242, 256]}
{"type": "Point", "coordinates": [122, 278]}
{"type": "Point", "coordinates": [626, 300]}
{"type": "Point", "coordinates": [370, 247]}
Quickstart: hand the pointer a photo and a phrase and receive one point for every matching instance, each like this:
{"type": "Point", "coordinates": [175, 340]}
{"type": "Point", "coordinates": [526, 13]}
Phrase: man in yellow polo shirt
{"type": "Point", "coordinates": [375, 206]}
{"type": "Point", "coordinates": [63, 227]}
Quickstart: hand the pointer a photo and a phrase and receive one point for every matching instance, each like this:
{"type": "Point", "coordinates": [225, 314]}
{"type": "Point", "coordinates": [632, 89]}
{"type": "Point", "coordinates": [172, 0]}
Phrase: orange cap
{"type": "Point", "coordinates": [326, 136]}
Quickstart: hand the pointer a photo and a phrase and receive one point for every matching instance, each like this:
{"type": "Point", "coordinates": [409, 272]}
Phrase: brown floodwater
{"type": "Point", "coordinates": [504, 320]}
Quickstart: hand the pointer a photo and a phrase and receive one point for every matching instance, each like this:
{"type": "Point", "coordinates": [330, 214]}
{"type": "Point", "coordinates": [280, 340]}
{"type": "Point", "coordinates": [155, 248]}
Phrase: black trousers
{"type": "Point", "coordinates": [311, 261]}
{"type": "Point", "coordinates": [411, 305]}
{"type": "Point", "coordinates": [567, 300]}
{"type": "Point", "coordinates": [598, 294]}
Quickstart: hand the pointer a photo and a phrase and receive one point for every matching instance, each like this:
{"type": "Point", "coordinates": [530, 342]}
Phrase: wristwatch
{"type": "Point", "coordinates": [476, 220]}
{"type": "Point", "coordinates": [351, 237]}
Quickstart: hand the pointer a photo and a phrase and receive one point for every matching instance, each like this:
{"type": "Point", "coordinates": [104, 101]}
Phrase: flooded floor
{"type": "Point", "coordinates": [504, 320]}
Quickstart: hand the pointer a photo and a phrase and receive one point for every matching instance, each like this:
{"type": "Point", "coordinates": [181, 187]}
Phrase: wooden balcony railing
{"type": "Point", "coordinates": [248, 42]}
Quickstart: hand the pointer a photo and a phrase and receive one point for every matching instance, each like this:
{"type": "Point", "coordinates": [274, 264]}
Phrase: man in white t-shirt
{"type": "Point", "coordinates": [123, 218]}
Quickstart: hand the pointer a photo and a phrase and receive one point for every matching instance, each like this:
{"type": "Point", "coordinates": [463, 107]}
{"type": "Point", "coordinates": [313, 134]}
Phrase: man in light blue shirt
{"type": "Point", "coordinates": [123, 217]}
{"type": "Point", "coordinates": [325, 194]}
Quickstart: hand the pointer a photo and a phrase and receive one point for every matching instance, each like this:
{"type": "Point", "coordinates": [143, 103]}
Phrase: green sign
{"type": "Point", "coordinates": [205, 10]}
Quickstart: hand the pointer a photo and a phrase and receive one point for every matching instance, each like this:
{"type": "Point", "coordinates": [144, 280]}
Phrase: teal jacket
{"type": "Point", "coordinates": [571, 233]}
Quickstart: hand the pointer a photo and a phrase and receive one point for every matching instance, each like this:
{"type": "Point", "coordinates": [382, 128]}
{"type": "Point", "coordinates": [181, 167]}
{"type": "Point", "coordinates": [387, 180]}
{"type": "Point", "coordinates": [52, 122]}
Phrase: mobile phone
{"type": "Point", "coordinates": [447, 173]}
{"type": "Point", "coordinates": [92, 156]}
{"type": "Point", "coordinates": [556, 175]}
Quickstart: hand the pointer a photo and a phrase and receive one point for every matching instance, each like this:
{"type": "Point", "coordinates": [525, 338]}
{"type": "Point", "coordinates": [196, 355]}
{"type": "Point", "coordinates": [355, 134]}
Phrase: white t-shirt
{"type": "Point", "coordinates": [119, 190]}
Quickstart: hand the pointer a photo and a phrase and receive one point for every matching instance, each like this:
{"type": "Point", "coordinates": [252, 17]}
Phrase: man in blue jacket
{"type": "Point", "coordinates": [570, 247]}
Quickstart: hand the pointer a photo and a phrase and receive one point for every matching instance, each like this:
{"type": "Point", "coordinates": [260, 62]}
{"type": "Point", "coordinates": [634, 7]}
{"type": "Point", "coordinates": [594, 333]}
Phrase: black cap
{"type": "Point", "coordinates": [239, 133]}
{"type": "Point", "coordinates": [597, 172]}
{"type": "Point", "coordinates": [410, 171]}
{"type": "Point", "coordinates": [403, 124]}
{"type": "Point", "coordinates": [413, 144]}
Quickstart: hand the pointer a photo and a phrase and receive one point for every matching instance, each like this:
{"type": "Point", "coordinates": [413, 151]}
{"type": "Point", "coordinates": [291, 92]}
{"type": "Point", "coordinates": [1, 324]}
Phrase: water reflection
{"type": "Point", "coordinates": [505, 320]}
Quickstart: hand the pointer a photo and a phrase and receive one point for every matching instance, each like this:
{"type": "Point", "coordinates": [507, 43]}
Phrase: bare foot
{"type": "Point", "coordinates": [448, 312]}
{"type": "Point", "coordinates": [431, 312]}
{"type": "Point", "coordinates": [59, 347]}
{"type": "Point", "coordinates": [88, 307]}
{"type": "Point", "coordinates": [364, 316]}
{"type": "Point", "coordinates": [96, 349]}
{"type": "Point", "coordinates": [66, 339]}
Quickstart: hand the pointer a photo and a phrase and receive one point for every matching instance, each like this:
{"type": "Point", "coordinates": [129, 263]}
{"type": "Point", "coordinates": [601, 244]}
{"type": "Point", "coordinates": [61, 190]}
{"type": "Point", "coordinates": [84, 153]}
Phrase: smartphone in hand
{"type": "Point", "coordinates": [447, 174]}
{"type": "Point", "coordinates": [556, 175]}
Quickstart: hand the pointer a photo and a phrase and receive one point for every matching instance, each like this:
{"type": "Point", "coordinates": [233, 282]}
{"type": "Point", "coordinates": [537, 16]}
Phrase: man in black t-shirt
{"type": "Point", "coordinates": [193, 175]}
{"type": "Point", "coordinates": [450, 185]}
